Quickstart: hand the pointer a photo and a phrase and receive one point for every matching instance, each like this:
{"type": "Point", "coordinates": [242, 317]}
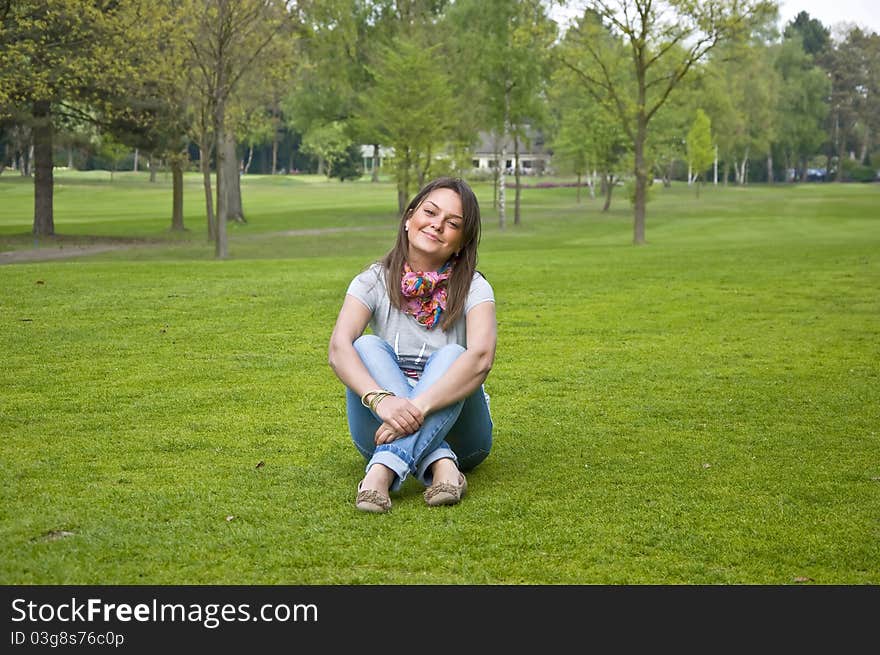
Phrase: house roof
{"type": "Point", "coordinates": [489, 143]}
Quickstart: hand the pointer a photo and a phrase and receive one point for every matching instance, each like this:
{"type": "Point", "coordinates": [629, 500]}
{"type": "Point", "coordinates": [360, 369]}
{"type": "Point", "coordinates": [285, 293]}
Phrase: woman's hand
{"type": "Point", "coordinates": [399, 419]}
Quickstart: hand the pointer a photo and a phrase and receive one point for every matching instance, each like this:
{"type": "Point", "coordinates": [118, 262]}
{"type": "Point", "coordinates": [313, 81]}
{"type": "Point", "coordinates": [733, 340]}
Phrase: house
{"type": "Point", "coordinates": [534, 157]}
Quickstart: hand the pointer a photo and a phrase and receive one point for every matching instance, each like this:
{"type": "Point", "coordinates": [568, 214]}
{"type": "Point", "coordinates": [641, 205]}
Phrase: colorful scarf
{"type": "Point", "coordinates": [425, 293]}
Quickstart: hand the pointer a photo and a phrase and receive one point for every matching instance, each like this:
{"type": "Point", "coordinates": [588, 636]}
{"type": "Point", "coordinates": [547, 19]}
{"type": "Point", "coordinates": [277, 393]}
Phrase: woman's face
{"type": "Point", "coordinates": [435, 229]}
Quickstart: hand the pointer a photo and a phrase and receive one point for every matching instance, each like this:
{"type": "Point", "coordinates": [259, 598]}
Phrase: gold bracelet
{"type": "Point", "coordinates": [374, 402]}
{"type": "Point", "coordinates": [364, 400]}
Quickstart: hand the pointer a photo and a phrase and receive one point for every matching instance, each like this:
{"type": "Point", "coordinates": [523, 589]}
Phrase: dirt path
{"type": "Point", "coordinates": [68, 251]}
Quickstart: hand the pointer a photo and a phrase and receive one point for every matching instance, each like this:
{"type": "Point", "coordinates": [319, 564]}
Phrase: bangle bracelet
{"type": "Point", "coordinates": [364, 399]}
{"type": "Point", "coordinates": [377, 398]}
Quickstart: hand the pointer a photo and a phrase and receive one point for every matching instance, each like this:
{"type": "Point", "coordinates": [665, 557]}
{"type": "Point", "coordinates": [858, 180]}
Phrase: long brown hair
{"type": "Point", "coordinates": [465, 263]}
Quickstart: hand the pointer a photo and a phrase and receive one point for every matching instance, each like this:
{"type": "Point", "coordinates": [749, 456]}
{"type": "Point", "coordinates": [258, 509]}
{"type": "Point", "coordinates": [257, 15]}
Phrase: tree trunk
{"type": "Point", "coordinates": [579, 189]}
{"type": "Point", "coordinates": [375, 176]}
{"type": "Point", "coordinates": [715, 167]}
{"type": "Point", "coordinates": [176, 162]}
{"type": "Point", "coordinates": [502, 164]}
{"type": "Point", "coordinates": [232, 181]}
{"type": "Point", "coordinates": [135, 166]}
{"type": "Point", "coordinates": [151, 164]}
{"type": "Point", "coordinates": [608, 183]}
{"type": "Point", "coordinates": [69, 159]}
{"type": "Point", "coordinates": [423, 171]}
{"type": "Point", "coordinates": [275, 125]}
{"type": "Point", "coordinates": [247, 165]}
{"type": "Point", "coordinates": [769, 168]}
{"type": "Point", "coordinates": [495, 172]}
{"type": "Point", "coordinates": [641, 174]}
{"type": "Point", "coordinates": [403, 170]}
{"type": "Point", "coordinates": [44, 219]}
{"type": "Point", "coordinates": [516, 175]}
{"type": "Point", "coordinates": [221, 247]}
{"type": "Point", "coordinates": [205, 165]}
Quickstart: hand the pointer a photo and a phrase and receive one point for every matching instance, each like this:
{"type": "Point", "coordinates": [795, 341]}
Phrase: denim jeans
{"type": "Point", "coordinates": [461, 431]}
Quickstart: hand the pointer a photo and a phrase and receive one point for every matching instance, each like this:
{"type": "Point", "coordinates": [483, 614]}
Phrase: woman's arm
{"type": "Point", "coordinates": [465, 375]}
{"type": "Point", "coordinates": [397, 412]}
{"type": "Point", "coordinates": [470, 370]}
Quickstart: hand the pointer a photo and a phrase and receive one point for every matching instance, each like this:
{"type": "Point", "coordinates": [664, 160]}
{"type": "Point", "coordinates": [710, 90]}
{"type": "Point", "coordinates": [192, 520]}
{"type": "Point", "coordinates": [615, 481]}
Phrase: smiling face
{"type": "Point", "coordinates": [435, 230]}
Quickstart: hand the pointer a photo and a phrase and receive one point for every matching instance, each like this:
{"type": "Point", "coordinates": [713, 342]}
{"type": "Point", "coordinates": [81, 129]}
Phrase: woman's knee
{"type": "Point", "coordinates": [448, 353]}
{"type": "Point", "coordinates": [367, 343]}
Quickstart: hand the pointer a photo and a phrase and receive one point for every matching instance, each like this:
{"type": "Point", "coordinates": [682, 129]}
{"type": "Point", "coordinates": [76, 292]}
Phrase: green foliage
{"type": "Point", "coordinates": [629, 191]}
{"type": "Point", "coordinates": [815, 37]}
{"type": "Point", "coordinates": [328, 142]}
{"type": "Point", "coordinates": [410, 106]}
{"type": "Point", "coordinates": [700, 149]}
{"type": "Point", "coordinates": [853, 171]}
{"type": "Point", "coordinates": [803, 100]}
{"type": "Point", "coordinates": [639, 396]}
{"type": "Point", "coordinates": [349, 166]}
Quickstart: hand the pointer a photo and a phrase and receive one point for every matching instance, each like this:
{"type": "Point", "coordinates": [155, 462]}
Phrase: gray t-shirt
{"type": "Point", "coordinates": [412, 342]}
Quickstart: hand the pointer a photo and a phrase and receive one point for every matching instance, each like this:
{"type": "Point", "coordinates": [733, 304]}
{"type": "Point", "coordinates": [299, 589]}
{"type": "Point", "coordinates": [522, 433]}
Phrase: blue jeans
{"type": "Point", "coordinates": [461, 432]}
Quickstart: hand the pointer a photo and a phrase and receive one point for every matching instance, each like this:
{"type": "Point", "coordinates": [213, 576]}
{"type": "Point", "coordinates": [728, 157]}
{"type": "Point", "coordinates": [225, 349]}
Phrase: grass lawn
{"type": "Point", "coordinates": [704, 409]}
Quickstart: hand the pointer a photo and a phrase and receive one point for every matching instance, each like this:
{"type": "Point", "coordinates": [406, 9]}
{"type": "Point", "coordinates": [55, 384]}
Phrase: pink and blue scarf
{"type": "Point", "coordinates": [425, 293]}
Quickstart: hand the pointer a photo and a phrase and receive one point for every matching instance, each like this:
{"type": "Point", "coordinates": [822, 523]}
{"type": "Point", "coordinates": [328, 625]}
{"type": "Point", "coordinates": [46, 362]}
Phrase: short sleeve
{"type": "Point", "coordinates": [480, 292]}
{"type": "Point", "coordinates": [366, 287]}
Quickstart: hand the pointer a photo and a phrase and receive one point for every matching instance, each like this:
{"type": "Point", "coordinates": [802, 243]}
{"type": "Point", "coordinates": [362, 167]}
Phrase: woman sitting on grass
{"type": "Point", "coordinates": [415, 398]}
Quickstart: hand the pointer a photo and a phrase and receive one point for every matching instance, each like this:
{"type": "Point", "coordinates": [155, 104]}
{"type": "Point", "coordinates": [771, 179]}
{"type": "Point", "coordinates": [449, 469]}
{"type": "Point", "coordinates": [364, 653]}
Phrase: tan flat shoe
{"type": "Point", "coordinates": [370, 500]}
{"type": "Point", "coordinates": [444, 493]}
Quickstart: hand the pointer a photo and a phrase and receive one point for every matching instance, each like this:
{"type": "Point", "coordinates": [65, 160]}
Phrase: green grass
{"type": "Point", "coordinates": [700, 410]}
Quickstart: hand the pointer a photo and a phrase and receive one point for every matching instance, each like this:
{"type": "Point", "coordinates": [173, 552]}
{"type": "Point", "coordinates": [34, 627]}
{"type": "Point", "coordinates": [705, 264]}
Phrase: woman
{"type": "Point", "coordinates": [415, 398]}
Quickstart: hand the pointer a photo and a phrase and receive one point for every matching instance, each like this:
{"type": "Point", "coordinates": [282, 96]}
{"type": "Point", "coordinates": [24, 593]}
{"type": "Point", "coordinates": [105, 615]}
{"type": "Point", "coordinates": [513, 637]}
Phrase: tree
{"type": "Point", "coordinates": [804, 89]}
{"type": "Point", "coordinates": [739, 93]}
{"type": "Point", "coordinates": [571, 151]}
{"type": "Point", "coordinates": [226, 41]}
{"type": "Point", "coordinates": [506, 43]}
{"type": "Point", "coordinates": [588, 139]}
{"type": "Point", "coordinates": [349, 166]}
{"type": "Point", "coordinates": [339, 40]}
{"type": "Point", "coordinates": [699, 146]}
{"type": "Point", "coordinates": [815, 37]}
{"type": "Point", "coordinates": [664, 39]}
{"type": "Point", "coordinates": [667, 140]}
{"type": "Point", "coordinates": [410, 107]}
{"type": "Point", "coordinates": [112, 151]}
{"type": "Point", "coordinates": [328, 142]}
{"type": "Point", "coordinates": [852, 66]}
{"type": "Point", "coordinates": [60, 60]}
